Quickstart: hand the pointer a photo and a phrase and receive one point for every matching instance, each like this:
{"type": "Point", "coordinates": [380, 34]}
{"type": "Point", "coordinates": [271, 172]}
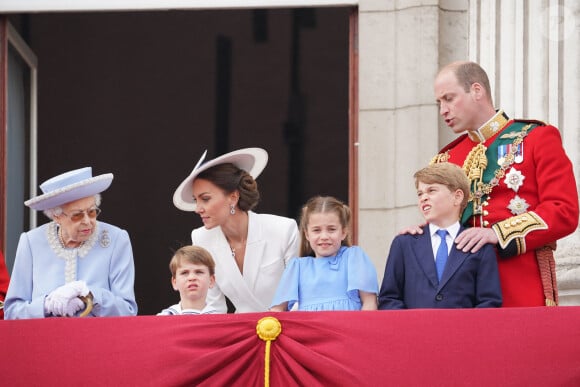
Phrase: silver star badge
{"type": "Point", "coordinates": [518, 205]}
{"type": "Point", "coordinates": [514, 179]}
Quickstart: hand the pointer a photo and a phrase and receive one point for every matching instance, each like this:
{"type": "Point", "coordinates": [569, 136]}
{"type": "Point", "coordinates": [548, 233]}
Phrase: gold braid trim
{"type": "Point", "coordinates": [491, 127]}
{"type": "Point", "coordinates": [440, 158]}
{"type": "Point", "coordinates": [476, 163]}
{"type": "Point", "coordinates": [474, 166]}
{"type": "Point", "coordinates": [518, 227]}
{"type": "Point", "coordinates": [547, 265]}
{"type": "Point", "coordinates": [520, 246]}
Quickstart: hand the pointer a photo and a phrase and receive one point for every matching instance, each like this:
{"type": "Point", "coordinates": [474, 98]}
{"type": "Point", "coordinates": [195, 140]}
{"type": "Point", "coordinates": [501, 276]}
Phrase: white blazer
{"type": "Point", "coordinates": [272, 241]}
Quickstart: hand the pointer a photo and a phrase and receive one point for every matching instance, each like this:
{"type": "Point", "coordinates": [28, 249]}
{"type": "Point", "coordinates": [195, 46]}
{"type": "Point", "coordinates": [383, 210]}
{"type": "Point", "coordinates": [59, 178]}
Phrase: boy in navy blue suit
{"type": "Point", "coordinates": [427, 270]}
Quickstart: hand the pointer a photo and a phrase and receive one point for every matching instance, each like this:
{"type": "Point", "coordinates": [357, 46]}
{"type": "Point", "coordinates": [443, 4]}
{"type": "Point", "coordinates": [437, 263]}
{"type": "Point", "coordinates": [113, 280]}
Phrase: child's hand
{"type": "Point", "coordinates": [279, 308]}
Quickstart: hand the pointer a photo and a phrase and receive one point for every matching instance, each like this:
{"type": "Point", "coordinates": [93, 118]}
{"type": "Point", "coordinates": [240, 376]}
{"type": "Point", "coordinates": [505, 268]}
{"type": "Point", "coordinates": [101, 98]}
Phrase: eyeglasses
{"type": "Point", "coordinates": [79, 215]}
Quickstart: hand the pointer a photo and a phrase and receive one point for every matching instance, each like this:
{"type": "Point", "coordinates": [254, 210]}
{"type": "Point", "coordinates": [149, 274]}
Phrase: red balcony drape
{"type": "Point", "coordinates": [507, 347]}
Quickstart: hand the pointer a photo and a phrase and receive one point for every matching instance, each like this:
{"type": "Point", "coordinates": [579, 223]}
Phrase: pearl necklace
{"type": "Point", "coordinates": [69, 255]}
{"type": "Point", "coordinates": [63, 243]}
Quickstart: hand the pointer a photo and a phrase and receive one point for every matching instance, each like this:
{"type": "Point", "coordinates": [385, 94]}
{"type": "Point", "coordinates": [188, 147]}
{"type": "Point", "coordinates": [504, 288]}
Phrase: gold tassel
{"type": "Point", "coordinates": [547, 265]}
{"type": "Point", "coordinates": [268, 329]}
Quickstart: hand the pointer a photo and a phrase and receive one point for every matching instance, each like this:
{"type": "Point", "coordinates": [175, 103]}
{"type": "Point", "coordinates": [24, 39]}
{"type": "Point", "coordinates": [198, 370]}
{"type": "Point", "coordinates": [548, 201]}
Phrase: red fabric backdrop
{"type": "Point", "coordinates": [507, 347]}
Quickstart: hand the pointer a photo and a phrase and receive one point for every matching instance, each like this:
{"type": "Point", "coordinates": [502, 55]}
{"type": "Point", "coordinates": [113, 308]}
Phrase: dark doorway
{"type": "Point", "coordinates": [142, 95]}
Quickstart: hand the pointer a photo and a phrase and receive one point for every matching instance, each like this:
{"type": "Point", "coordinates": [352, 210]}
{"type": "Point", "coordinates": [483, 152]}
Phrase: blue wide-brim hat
{"type": "Point", "coordinates": [68, 187]}
{"type": "Point", "coordinates": [251, 160]}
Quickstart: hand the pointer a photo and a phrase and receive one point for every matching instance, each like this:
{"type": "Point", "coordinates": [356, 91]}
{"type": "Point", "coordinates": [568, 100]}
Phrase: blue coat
{"type": "Point", "coordinates": [470, 280]}
{"type": "Point", "coordinates": [105, 263]}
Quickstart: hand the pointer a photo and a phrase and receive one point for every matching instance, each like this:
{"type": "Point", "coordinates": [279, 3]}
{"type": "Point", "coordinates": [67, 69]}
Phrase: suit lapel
{"type": "Point", "coordinates": [424, 256]}
{"type": "Point", "coordinates": [454, 262]}
{"type": "Point", "coordinates": [236, 286]}
{"type": "Point", "coordinates": [228, 265]}
{"type": "Point", "coordinates": [255, 246]}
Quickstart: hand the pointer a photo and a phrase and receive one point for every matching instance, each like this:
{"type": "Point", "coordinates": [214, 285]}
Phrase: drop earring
{"type": "Point", "coordinates": [232, 209]}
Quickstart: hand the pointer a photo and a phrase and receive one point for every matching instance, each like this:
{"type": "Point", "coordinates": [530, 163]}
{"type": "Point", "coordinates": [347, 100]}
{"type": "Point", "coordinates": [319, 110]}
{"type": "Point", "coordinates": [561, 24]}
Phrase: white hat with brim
{"type": "Point", "coordinates": [68, 187]}
{"type": "Point", "coordinates": [251, 160]}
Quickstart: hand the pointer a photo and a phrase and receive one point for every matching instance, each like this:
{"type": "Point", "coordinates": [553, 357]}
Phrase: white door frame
{"type": "Point", "coordinates": [24, 6]}
{"type": "Point", "coordinates": [31, 60]}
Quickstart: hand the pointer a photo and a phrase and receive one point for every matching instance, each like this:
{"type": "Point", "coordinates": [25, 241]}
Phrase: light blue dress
{"type": "Point", "coordinates": [104, 262]}
{"type": "Point", "coordinates": [328, 283]}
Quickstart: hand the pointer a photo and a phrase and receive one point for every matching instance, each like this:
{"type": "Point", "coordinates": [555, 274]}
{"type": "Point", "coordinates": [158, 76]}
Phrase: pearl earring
{"type": "Point", "coordinates": [232, 209]}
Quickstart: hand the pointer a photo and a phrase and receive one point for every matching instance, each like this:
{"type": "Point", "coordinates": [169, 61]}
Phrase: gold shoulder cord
{"type": "Point", "coordinates": [474, 167]}
{"type": "Point", "coordinates": [485, 189]}
{"type": "Point", "coordinates": [440, 158]}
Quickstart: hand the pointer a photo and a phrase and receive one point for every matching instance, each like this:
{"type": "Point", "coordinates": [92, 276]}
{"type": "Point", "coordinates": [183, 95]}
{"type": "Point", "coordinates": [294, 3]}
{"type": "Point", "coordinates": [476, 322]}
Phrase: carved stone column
{"type": "Point", "coordinates": [530, 51]}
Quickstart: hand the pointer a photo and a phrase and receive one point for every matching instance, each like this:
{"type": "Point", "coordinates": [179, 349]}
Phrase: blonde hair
{"type": "Point", "coordinates": [192, 254]}
{"type": "Point", "coordinates": [447, 174]}
{"type": "Point", "coordinates": [323, 204]}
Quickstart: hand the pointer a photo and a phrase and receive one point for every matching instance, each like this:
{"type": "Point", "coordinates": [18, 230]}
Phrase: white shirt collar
{"type": "Point", "coordinates": [453, 230]}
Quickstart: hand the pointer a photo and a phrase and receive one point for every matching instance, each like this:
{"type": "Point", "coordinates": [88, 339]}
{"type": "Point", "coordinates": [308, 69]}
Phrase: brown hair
{"type": "Point", "coordinates": [192, 254]}
{"type": "Point", "coordinates": [323, 204]}
{"type": "Point", "coordinates": [468, 73]}
{"type": "Point", "coordinates": [447, 174]}
{"type": "Point", "coordinates": [230, 178]}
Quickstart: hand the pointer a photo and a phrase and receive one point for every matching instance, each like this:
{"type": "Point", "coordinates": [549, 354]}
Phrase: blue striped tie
{"type": "Point", "coordinates": [442, 254]}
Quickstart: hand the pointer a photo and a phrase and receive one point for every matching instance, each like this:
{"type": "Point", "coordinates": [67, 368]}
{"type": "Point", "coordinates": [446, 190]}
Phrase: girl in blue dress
{"type": "Point", "coordinates": [330, 274]}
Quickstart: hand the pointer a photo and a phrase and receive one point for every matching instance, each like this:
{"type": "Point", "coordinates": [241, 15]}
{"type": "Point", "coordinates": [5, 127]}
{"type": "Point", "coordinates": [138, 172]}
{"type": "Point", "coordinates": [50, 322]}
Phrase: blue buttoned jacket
{"type": "Point", "coordinates": [470, 280]}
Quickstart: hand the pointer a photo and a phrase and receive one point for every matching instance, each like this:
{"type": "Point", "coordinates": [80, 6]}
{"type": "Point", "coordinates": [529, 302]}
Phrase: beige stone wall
{"type": "Point", "coordinates": [400, 52]}
{"type": "Point", "coordinates": [530, 50]}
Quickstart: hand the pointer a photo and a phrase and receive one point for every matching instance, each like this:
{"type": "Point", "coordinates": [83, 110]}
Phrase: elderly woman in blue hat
{"type": "Point", "coordinates": [73, 265]}
{"type": "Point", "coordinates": [250, 249]}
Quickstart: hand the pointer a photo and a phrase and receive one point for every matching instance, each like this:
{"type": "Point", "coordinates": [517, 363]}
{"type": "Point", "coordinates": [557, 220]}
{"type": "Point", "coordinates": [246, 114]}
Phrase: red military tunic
{"type": "Point", "coordinates": [530, 202]}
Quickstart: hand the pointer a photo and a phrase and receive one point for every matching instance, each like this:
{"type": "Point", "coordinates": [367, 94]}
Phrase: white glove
{"type": "Point", "coordinates": [73, 306]}
{"type": "Point", "coordinates": [58, 300]}
{"type": "Point", "coordinates": [80, 287]}
{"type": "Point", "coordinates": [48, 306]}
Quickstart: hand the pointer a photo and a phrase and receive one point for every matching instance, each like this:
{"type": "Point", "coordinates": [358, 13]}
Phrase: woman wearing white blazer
{"type": "Point", "coordinates": [251, 250]}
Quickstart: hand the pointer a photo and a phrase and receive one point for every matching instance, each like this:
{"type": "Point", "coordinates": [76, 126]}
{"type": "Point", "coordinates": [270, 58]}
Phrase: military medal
{"type": "Point", "coordinates": [514, 179]}
{"type": "Point", "coordinates": [504, 150]}
{"type": "Point", "coordinates": [519, 155]}
{"type": "Point", "coordinates": [518, 205]}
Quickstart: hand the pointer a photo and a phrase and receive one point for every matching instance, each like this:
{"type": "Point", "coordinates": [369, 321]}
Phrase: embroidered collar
{"type": "Point", "coordinates": [60, 250]}
{"type": "Point", "coordinates": [491, 127]}
{"type": "Point", "coordinates": [69, 255]}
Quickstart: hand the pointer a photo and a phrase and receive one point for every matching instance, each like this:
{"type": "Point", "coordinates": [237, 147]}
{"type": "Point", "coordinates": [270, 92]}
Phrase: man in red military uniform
{"type": "Point", "coordinates": [523, 191]}
{"type": "Point", "coordinates": [4, 279]}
